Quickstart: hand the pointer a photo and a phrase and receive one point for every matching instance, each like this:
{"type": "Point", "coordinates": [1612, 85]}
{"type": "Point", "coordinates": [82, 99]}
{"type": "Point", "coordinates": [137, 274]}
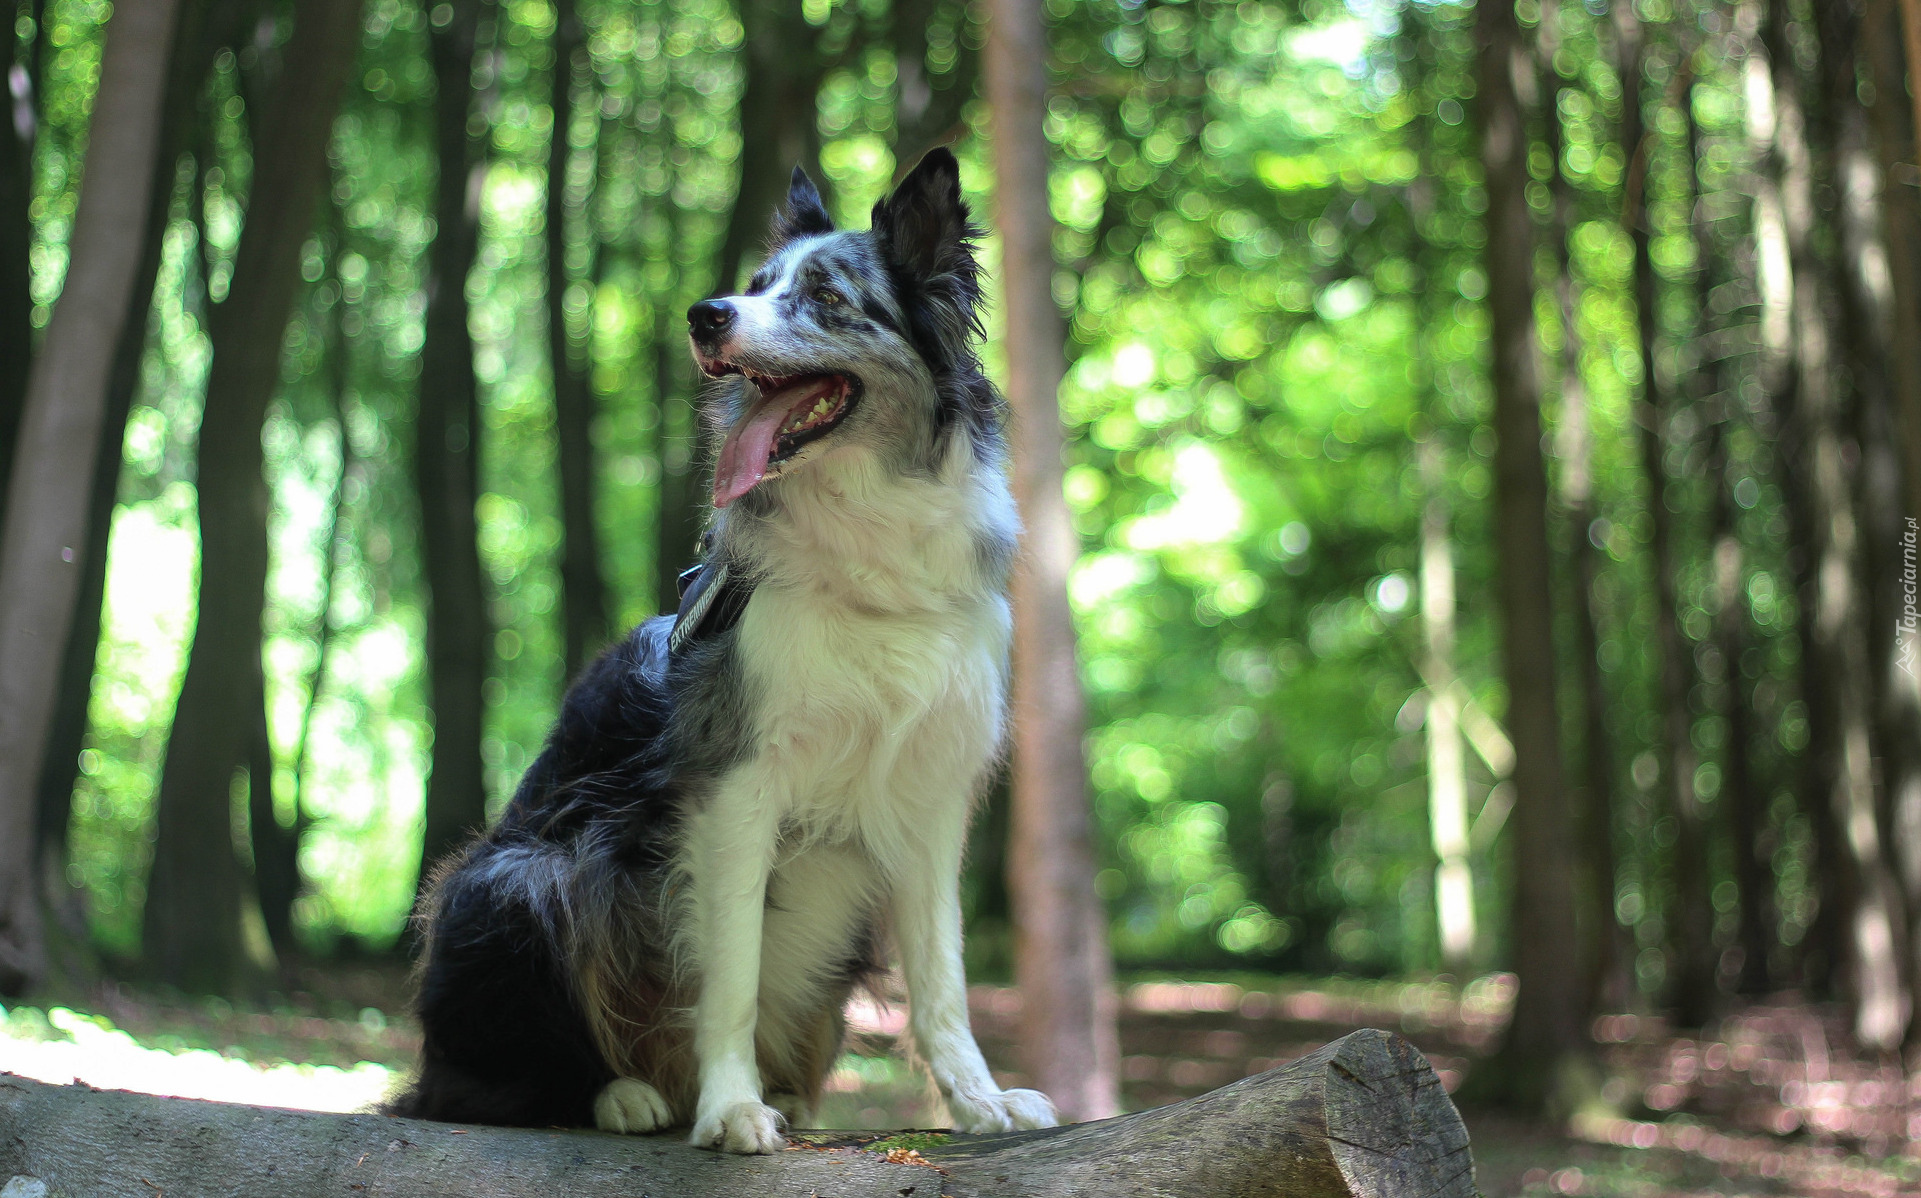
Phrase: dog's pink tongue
{"type": "Point", "coordinates": [745, 454]}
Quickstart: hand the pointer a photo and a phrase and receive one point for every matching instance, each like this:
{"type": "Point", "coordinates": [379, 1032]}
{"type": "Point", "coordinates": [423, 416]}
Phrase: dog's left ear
{"type": "Point", "coordinates": [803, 215]}
{"type": "Point", "coordinates": [923, 227]}
{"type": "Point", "coordinates": [924, 236]}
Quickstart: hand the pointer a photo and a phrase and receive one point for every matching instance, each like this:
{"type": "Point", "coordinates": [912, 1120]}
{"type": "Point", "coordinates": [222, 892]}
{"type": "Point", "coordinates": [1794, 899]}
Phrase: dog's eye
{"type": "Point", "coordinates": [827, 295]}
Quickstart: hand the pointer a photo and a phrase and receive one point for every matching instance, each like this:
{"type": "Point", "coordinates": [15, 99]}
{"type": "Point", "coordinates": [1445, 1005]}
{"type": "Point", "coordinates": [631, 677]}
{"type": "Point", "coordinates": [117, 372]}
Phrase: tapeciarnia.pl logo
{"type": "Point", "coordinates": [1905, 632]}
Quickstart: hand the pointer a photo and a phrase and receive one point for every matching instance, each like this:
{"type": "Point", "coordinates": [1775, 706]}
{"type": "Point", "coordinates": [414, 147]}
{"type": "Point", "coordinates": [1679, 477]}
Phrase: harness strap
{"type": "Point", "coordinates": [711, 603]}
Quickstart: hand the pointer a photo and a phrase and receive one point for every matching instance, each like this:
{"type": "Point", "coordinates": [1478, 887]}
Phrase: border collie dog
{"type": "Point", "coordinates": [742, 803]}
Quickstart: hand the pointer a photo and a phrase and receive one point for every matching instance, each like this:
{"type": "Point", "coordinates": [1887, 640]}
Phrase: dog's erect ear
{"type": "Point", "coordinates": [925, 237]}
{"type": "Point", "coordinates": [923, 225]}
{"type": "Point", "coordinates": [803, 215]}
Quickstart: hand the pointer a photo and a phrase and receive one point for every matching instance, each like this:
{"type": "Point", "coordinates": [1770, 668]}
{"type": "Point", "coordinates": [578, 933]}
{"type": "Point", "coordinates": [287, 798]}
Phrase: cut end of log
{"type": "Point", "coordinates": [1391, 1128]}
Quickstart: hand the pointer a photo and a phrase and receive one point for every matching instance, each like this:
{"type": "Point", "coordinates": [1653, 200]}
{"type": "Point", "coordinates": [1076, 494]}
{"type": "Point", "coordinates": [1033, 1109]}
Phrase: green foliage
{"type": "Point", "coordinates": [1268, 246]}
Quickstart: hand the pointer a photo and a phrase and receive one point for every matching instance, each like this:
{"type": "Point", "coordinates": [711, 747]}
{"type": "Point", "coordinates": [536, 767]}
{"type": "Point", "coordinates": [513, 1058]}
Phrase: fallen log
{"type": "Point", "coordinates": [1363, 1117]}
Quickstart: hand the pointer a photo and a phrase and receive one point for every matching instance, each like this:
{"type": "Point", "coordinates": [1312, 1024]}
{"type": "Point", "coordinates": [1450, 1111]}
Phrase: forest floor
{"type": "Point", "coordinates": [1769, 1101]}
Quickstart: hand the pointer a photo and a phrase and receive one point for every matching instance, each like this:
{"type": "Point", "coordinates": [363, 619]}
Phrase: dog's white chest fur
{"type": "Point", "coordinates": [875, 653]}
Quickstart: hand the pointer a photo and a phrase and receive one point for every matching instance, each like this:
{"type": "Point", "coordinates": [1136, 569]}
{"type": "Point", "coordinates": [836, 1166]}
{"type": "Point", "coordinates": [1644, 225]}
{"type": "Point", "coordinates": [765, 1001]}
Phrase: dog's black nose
{"type": "Point", "coordinates": [710, 318]}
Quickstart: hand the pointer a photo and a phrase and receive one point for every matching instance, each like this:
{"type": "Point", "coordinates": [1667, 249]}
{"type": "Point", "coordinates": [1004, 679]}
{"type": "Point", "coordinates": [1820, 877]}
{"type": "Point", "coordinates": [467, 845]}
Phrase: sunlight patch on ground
{"type": "Point", "coordinates": [69, 1047]}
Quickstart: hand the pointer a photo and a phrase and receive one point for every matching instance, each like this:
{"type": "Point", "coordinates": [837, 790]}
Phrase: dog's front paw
{"type": "Point", "coordinates": [1008, 1110]}
{"type": "Point", "coordinates": [630, 1107]}
{"type": "Point", "coordinates": [745, 1127]}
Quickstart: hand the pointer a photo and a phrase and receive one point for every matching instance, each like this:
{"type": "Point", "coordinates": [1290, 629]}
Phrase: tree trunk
{"type": "Point", "coordinates": [1694, 967]}
{"type": "Point", "coordinates": [1781, 216]}
{"type": "Point", "coordinates": [1446, 766]}
{"type": "Point", "coordinates": [1610, 976]}
{"type": "Point", "coordinates": [779, 130]}
{"type": "Point", "coordinates": [1550, 1011]}
{"type": "Point", "coordinates": [1896, 133]}
{"type": "Point", "coordinates": [1872, 373]}
{"type": "Point", "coordinates": [17, 134]}
{"type": "Point", "coordinates": [1719, 401]}
{"type": "Point", "coordinates": [779, 125]}
{"type": "Point", "coordinates": [927, 108]}
{"type": "Point", "coordinates": [1060, 927]}
{"type": "Point", "coordinates": [447, 457]}
{"type": "Point", "coordinates": [1899, 140]}
{"type": "Point", "coordinates": [196, 892]}
{"type": "Point", "coordinates": [1798, 375]}
{"type": "Point", "coordinates": [1362, 1117]}
{"type": "Point", "coordinates": [584, 624]}
{"type": "Point", "coordinates": [200, 34]}
{"type": "Point", "coordinates": [48, 499]}
{"type": "Point", "coordinates": [1837, 341]}
{"type": "Point", "coordinates": [677, 446]}
{"type": "Point", "coordinates": [282, 844]}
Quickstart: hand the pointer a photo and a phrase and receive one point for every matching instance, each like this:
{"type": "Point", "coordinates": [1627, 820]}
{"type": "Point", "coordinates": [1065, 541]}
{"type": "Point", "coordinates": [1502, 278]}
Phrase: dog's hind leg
{"type": "Point", "coordinates": [504, 1041]}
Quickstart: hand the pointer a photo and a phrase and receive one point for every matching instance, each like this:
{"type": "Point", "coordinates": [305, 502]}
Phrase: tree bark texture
{"type": "Point", "coordinates": [1061, 956]}
{"type": "Point", "coordinates": [196, 892]}
{"type": "Point", "coordinates": [1550, 1010]}
{"type": "Point", "coordinates": [584, 624]}
{"type": "Point", "coordinates": [447, 456]}
{"type": "Point", "coordinates": [48, 498]}
{"type": "Point", "coordinates": [1361, 1117]}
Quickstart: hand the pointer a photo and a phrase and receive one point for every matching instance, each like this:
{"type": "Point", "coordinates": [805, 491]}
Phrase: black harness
{"type": "Point", "coordinates": [712, 598]}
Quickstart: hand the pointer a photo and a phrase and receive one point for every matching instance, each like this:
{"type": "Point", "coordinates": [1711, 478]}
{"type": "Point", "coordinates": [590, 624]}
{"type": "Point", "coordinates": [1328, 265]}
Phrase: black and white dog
{"type": "Point", "coordinates": [741, 803]}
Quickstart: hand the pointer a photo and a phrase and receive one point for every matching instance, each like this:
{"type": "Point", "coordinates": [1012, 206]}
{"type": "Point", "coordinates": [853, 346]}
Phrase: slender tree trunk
{"type": "Point", "coordinates": [677, 440]}
{"type": "Point", "coordinates": [1693, 982]}
{"type": "Point", "coordinates": [779, 130]}
{"type": "Point", "coordinates": [584, 623]}
{"type": "Point", "coordinates": [1060, 928]}
{"type": "Point", "coordinates": [1550, 1012]}
{"type": "Point", "coordinates": [1446, 767]}
{"type": "Point", "coordinates": [1746, 808]}
{"type": "Point", "coordinates": [1890, 482]}
{"type": "Point", "coordinates": [196, 893]}
{"type": "Point", "coordinates": [447, 456]}
{"type": "Point", "coordinates": [1899, 140]}
{"type": "Point", "coordinates": [17, 135]}
{"type": "Point", "coordinates": [1822, 528]}
{"type": "Point", "coordinates": [199, 37]}
{"type": "Point", "coordinates": [1870, 374]}
{"type": "Point", "coordinates": [49, 490]}
{"type": "Point", "coordinates": [1610, 975]}
{"type": "Point", "coordinates": [1780, 216]}
{"type": "Point", "coordinates": [927, 107]}
{"type": "Point", "coordinates": [779, 127]}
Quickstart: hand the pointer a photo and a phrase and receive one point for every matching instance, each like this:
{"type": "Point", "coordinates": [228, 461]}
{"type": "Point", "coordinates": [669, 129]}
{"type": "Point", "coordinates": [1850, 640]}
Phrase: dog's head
{"type": "Point", "coordinates": [851, 340]}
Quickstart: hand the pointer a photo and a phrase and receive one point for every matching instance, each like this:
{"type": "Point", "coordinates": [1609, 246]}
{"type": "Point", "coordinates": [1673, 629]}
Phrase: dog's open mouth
{"type": "Point", "coordinates": [792, 411]}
